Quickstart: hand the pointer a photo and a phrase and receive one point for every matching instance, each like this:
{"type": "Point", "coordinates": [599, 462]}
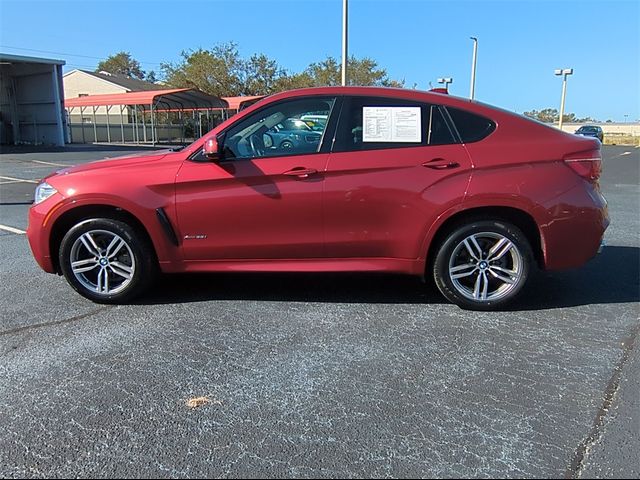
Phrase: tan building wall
{"type": "Point", "coordinates": [77, 82]}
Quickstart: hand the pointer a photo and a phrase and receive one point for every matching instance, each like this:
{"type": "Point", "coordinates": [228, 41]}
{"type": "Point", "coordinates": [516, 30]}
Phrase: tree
{"type": "Point", "coordinates": [328, 72]}
{"type": "Point", "coordinates": [551, 115]}
{"type": "Point", "coordinates": [222, 72]}
{"type": "Point", "coordinates": [262, 75]}
{"type": "Point", "coordinates": [365, 72]}
{"type": "Point", "coordinates": [151, 77]}
{"type": "Point", "coordinates": [548, 115]}
{"type": "Point", "coordinates": [298, 80]}
{"type": "Point", "coordinates": [121, 63]}
{"type": "Point", "coordinates": [219, 71]}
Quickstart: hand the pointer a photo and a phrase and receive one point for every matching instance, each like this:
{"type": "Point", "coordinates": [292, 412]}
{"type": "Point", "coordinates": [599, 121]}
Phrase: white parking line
{"type": "Point", "coordinates": [18, 179]}
{"type": "Point", "coordinates": [12, 230]}
{"type": "Point", "coordinates": [624, 153]}
{"type": "Point", "coordinates": [50, 163]}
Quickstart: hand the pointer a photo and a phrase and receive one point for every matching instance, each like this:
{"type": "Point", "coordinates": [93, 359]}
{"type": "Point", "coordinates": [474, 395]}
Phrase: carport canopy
{"type": "Point", "coordinates": [172, 99]}
{"type": "Point", "coordinates": [238, 103]}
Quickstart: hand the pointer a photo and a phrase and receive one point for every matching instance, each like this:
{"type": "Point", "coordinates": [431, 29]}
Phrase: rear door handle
{"type": "Point", "coordinates": [300, 172]}
{"type": "Point", "coordinates": [440, 164]}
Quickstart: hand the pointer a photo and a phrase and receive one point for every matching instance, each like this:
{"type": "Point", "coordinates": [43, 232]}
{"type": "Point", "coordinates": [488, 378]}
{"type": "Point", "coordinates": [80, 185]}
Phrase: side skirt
{"type": "Point", "coordinates": [388, 265]}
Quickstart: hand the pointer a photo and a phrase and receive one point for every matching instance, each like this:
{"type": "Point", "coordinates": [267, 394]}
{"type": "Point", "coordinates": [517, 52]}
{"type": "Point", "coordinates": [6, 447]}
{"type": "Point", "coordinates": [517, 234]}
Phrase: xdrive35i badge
{"type": "Point", "coordinates": [195, 237]}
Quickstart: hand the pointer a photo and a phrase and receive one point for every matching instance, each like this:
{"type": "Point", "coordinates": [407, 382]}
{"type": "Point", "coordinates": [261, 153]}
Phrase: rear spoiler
{"type": "Point", "coordinates": [440, 90]}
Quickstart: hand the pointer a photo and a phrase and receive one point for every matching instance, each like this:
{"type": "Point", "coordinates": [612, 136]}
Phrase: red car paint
{"type": "Point", "coordinates": [375, 210]}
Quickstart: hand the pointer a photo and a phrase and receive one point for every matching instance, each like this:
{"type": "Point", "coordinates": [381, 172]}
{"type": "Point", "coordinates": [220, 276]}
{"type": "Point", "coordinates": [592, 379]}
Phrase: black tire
{"type": "Point", "coordinates": [99, 276]}
{"type": "Point", "coordinates": [286, 145]}
{"type": "Point", "coordinates": [481, 283]}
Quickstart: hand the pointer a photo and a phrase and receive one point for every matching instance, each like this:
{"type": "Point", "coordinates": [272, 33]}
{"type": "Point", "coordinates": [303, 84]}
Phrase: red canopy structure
{"type": "Point", "coordinates": [238, 103]}
{"type": "Point", "coordinates": [173, 99]}
{"type": "Point", "coordinates": [140, 103]}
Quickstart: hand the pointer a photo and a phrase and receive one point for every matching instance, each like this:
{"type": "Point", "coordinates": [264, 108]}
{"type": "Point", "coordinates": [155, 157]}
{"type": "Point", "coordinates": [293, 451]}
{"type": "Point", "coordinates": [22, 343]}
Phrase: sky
{"type": "Point", "coordinates": [520, 42]}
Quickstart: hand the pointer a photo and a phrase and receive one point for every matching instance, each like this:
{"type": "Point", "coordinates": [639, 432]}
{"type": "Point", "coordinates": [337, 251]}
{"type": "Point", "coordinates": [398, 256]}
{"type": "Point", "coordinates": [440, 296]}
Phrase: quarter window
{"type": "Point", "coordinates": [470, 126]}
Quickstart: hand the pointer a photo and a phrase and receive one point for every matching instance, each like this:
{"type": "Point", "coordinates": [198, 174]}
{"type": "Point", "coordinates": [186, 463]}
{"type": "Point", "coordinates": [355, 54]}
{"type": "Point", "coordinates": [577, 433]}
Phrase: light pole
{"type": "Point", "coordinates": [473, 67]}
{"type": "Point", "coordinates": [625, 117]}
{"type": "Point", "coordinates": [345, 10]}
{"type": "Point", "coordinates": [446, 81]}
{"type": "Point", "coordinates": [564, 72]}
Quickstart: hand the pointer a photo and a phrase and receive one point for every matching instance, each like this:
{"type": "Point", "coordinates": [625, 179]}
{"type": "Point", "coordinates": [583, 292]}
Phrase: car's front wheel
{"type": "Point", "coordinates": [106, 260]}
{"type": "Point", "coordinates": [483, 265]}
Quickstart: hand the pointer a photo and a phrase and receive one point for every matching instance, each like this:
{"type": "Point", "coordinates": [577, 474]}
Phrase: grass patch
{"type": "Point", "coordinates": [610, 139]}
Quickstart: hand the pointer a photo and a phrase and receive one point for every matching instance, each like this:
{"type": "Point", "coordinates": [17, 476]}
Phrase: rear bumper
{"type": "Point", "coordinates": [573, 227]}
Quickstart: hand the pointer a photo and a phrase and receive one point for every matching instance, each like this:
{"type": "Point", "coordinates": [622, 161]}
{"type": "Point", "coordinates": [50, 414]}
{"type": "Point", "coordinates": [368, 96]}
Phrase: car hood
{"type": "Point", "coordinates": [115, 162]}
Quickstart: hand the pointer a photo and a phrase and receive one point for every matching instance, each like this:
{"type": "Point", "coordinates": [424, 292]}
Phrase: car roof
{"type": "Point", "coordinates": [403, 93]}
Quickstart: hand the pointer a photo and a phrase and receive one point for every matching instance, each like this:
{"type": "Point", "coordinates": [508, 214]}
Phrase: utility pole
{"type": "Point", "coordinates": [345, 23]}
{"type": "Point", "coordinates": [473, 67]}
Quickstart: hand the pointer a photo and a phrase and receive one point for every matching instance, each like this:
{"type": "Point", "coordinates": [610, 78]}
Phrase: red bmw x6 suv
{"type": "Point", "coordinates": [386, 180]}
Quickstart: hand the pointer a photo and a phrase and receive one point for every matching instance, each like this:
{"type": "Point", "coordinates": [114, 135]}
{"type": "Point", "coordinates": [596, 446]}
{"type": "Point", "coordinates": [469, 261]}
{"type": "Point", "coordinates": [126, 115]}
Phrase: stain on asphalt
{"type": "Point", "coordinates": [55, 322]}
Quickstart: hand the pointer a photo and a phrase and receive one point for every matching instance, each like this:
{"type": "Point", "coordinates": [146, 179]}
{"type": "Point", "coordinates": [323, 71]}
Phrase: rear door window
{"type": "Point", "coordinates": [375, 123]}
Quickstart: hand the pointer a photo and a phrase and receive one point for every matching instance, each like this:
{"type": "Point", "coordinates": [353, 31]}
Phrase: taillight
{"type": "Point", "coordinates": [587, 164]}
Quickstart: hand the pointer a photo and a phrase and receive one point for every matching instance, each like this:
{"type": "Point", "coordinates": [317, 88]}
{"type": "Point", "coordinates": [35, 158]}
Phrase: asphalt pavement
{"type": "Point", "coordinates": [319, 376]}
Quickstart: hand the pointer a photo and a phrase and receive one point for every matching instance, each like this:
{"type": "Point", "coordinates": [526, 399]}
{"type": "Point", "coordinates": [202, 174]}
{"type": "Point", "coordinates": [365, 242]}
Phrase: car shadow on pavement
{"type": "Point", "coordinates": [612, 277]}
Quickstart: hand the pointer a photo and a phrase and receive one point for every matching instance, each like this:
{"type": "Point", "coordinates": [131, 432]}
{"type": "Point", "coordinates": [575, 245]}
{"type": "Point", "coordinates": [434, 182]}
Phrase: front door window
{"type": "Point", "coordinates": [294, 127]}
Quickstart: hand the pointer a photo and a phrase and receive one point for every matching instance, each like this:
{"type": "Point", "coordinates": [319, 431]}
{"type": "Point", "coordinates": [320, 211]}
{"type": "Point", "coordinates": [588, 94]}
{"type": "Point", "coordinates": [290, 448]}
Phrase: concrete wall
{"type": "Point", "coordinates": [632, 129]}
{"type": "Point", "coordinates": [74, 115]}
{"type": "Point", "coordinates": [90, 133]}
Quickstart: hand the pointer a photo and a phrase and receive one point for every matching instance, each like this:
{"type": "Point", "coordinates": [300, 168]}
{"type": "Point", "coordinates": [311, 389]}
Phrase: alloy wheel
{"type": "Point", "coordinates": [486, 266]}
{"type": "Point", "coordinates": [102, 262]}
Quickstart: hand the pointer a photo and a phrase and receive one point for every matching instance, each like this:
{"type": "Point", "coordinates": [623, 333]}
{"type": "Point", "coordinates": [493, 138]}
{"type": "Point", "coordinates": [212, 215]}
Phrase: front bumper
{"type": "Point", "coordinates": [39, 231]}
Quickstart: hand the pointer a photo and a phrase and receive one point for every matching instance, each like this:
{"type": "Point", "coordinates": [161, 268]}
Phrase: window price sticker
{"type": "Point", "coordinates": [391, 124]}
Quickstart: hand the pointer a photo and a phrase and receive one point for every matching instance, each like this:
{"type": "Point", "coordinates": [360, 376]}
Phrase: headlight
{"type": "Point", "coordinates": [43, 191]}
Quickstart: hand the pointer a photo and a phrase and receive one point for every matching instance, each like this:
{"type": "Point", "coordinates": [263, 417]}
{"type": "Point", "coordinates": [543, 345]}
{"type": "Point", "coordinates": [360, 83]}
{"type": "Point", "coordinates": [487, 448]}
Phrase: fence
{"type": "Point", "coordinates": [127, 133]}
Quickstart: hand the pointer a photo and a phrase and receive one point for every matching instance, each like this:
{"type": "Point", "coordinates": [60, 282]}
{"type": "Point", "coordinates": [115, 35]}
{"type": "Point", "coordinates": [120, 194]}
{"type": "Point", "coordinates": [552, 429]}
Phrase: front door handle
{"type": "Point", "coordinates": [440, 164]}
{"type": "Point", "coordinates": [301, 172]}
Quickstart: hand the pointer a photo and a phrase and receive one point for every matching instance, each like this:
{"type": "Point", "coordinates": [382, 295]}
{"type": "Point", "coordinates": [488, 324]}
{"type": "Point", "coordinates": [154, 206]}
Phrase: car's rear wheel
{"type": "Point", "coordinates": [106, 260]}
{"type": "Point", "coordinates": [483, 265]}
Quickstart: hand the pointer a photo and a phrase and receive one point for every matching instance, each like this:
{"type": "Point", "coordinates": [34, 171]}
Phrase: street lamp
{"type": "Point", "coordinates": [345, 9]}
{"type": "Point", "coordinates": [564, 72]}
{"type": "Point", "coordinates": [625, 117]}
{"type": "Point", "coordinates": [473, 67]}
{"type": "Point", "coordinates": [446, 81]}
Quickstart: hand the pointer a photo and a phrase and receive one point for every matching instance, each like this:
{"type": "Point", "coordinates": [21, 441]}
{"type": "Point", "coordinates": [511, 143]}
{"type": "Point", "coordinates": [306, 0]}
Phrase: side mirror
{"type": "Point", "coordinates": [211, 148]}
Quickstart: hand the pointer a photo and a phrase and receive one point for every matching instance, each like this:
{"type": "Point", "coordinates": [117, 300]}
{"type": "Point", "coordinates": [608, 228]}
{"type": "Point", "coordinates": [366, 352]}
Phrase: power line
{"type": "Point", "coordinates": [68, 54]}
